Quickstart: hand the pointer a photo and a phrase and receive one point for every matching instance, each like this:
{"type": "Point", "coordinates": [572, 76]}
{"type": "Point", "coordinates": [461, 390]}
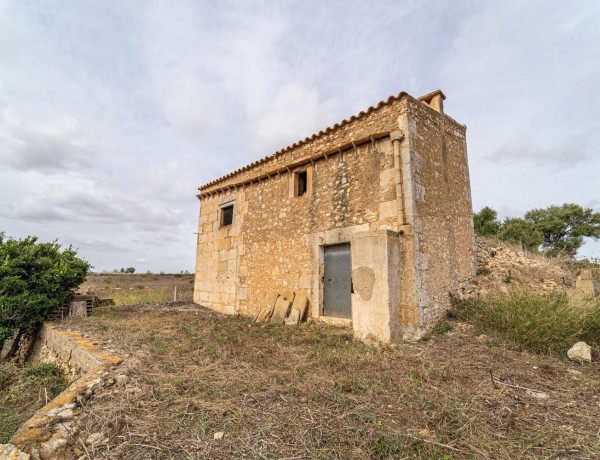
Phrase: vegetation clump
{"type": "Point", "coordinates": [539, 322]}
{"type": "Point", "coordinates": [555, 230]}
{"type": "Point", "coordinates": [25, 389]}
{"type": "Point", "coordinates": [35, 278]}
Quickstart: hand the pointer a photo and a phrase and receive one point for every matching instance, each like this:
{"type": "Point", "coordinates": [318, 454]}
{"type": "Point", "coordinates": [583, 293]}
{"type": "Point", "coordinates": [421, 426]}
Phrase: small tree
{"type": "Point", "coordinates": [520, 231]}
{"type": "Point", "coordinates": [563, 228]}
{"type": "Point", "coordinates": [130, 270]}
{"type": "Point", "coordinates": [486, 222]}
{"type": "Point", "coordinates": [35, 278]}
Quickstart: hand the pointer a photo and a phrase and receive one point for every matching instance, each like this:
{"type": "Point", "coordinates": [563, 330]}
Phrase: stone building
{"type": "Point", "coordinates": [370, 219]}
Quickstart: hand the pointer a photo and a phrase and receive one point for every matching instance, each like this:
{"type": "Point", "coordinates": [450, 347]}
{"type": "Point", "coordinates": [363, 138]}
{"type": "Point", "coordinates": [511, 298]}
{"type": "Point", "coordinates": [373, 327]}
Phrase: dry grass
{"type": "Point", "coordinates": [313, 392]}
{"type": "Point", "coordinates": [23, 390]}
{"type": "Point", "coordinates": [540, 322]}
{"type": "Point", "coordinates": [145, 288]}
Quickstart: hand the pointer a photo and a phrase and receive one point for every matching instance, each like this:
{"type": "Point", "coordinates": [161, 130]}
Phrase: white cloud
{"type": "Point", "coordinates": [54, 146]}
{"type": "Point", "coordinates": [77, 200]}
{"type": "Point", "coordinates": [567, 153]}
{"type": "Point", "coordinates": [96, 244]}
{"type": "Point", "coordinates": [296, 109]}
{"type": "Point", "coordinates": [118, 112]}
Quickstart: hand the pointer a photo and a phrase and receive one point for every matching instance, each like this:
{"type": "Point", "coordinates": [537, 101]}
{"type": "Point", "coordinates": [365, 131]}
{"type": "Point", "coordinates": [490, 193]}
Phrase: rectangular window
{"type": "Point", "coordinates": [301, 183]}
{"type": "Point", "coordinates": [226, 215]}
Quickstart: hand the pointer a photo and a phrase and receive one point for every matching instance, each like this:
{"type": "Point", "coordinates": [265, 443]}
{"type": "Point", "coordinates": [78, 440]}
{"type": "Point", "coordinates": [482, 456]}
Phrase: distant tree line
{"type": "Point", "coordinates": [124, 270]}
{"type": "Point", "coordinates": [555, 230]}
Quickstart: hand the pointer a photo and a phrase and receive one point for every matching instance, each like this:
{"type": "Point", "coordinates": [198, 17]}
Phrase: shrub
{"type": "Point", "coordinates": [35, 278]}
{"type": "Point", "coordinates": [542, 323]}
{"type": "Point", "coordinates": [486, 222]}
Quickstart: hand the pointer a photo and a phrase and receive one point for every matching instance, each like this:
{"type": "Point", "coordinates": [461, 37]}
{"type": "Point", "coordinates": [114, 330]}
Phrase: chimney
{"type": "Point", "coordinates": [434, 100]}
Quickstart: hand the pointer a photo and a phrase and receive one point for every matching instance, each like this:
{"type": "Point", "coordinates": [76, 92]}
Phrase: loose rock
{"type": "Point", "coordinates": [12, 452]}
{"type": "Point", "coordinates": [95, 439]}
{"type": "Point", "coordinates": [580, 352]}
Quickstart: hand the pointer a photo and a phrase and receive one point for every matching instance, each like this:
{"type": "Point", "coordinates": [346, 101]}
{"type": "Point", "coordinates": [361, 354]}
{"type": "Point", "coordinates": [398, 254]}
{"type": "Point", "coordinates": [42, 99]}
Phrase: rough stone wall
{"type": "Point", "coordinates": [54, 431]}
{"type": "Point", "coordinates": [64, 349]}
{"type": "Point", "coordinates": [271, 244]}
{"type": "Point", "coordinates": [218, 251]}
{"type": "Point", "coordinates": [407, 174]}
{"type": "Point", "coordinates": [443, 228]}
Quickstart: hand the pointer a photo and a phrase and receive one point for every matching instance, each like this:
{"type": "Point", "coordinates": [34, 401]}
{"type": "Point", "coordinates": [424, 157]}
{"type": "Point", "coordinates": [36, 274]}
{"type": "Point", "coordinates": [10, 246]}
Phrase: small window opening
{"type": "Point", "coordinates": [301, 183]}
{"type": "Point", "coordinates": [226, 215]}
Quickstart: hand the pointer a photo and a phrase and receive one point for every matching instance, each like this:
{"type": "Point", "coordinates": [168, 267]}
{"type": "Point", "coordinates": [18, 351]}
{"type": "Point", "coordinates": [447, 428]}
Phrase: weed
{"type": "Point", "coordinates": [442, 329]}
{"type": "Point", "coordinates": [23, 390]}
{"type": "Point", "coordinates": [483, 271]}
{"type": "Point", "coordinates": [108, 280]}
{"type": "Point", "coordinates": [508, 278]}
{"type": "Point", "coordinates": [388, 446]}
{"type": "Point", "coordinates": [548, 322]}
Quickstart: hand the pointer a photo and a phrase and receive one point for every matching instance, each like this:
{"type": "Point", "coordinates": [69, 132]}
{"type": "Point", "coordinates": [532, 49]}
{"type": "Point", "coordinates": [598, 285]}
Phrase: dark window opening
{"type": "Point", "coordinates": [227, 215]}
{"type": "Point", "coordinates": [301, 183]}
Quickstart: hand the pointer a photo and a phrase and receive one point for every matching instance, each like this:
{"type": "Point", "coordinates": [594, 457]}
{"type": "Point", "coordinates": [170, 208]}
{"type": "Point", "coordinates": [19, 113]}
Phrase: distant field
{"type": "Point", "coordinates": [143, 288]}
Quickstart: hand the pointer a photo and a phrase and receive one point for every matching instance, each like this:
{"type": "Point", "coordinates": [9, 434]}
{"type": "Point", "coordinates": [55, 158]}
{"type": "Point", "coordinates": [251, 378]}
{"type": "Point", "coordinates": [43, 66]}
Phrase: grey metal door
{"type": "Point", "coordinates": [337, 284]}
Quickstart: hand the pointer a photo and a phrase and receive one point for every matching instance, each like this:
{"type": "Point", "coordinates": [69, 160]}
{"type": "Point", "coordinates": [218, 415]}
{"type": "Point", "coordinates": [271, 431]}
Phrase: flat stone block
{"type": "Point", "coordinates": [298, 310]}
{"type": "Point", "coordinates": [267, 305]}
{"type": "Point", "coordinates": [281, 310]}
{"type": "Point", "coordinates": [388, 209]}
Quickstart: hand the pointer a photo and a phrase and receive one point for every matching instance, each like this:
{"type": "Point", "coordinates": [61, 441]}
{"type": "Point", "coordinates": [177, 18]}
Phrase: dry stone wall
{"type": "Point", "coordinates": [502, 268]}
{"type": "Point", "coordinates": [53, 432]}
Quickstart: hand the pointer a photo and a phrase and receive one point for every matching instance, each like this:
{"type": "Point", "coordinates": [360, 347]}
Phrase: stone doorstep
{"type": "Point", "coordinates": [34, 436]}
{"type": "Point", "coordinates": [331, 321]}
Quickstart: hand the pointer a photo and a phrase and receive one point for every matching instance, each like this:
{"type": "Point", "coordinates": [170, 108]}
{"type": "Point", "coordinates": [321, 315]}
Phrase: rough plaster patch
{"type": "Point", "coordinates": [363, 279]}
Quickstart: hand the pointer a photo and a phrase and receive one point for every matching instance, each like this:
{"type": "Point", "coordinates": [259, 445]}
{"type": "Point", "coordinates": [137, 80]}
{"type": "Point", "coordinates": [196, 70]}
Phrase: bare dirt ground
{"type": "Point", "coordinates": [128, 289]}
{"type": "Point", "coordinates": [313, 392]}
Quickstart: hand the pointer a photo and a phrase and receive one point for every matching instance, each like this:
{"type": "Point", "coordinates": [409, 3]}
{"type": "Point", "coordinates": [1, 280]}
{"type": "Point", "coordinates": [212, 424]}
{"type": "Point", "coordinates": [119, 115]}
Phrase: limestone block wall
{"type": "Point", "coordinates": [64, 349]}
{"type": "Point", "coordinates": [442, 223]}
{"type": "Point", "coordinates": [377, 286]}
{"type": "Point", "coordinates": [53, 432]}
{"type": "Point", "coordinates": [218, 252]}
{"type": "Point", "coordinates": [397, 172]}
{"type": "Point", "coordinates": [275, 237]}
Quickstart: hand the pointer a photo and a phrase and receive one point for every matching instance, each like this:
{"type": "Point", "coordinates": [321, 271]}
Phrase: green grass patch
{"type": "Point", "coordinates": [151, 295]}
{"type": "Point", "coordinates": [542, 323]}
{"type": "Point", "coordinates": [25, 389]}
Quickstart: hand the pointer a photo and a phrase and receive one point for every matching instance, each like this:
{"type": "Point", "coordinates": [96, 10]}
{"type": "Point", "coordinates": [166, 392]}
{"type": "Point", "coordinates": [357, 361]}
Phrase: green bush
{"type": "Point", "coordinates": [486, 222]}
{"type": "Point", "coordinates": [35, 278]}
{"type": "Point", "coordinates": [541, 323]}
{"type": "Point", "coordinates": [556, 230]}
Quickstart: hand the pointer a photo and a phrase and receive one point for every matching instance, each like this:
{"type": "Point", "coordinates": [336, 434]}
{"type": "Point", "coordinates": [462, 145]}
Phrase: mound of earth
{"type": "Point", "coordinates": [502, 267]}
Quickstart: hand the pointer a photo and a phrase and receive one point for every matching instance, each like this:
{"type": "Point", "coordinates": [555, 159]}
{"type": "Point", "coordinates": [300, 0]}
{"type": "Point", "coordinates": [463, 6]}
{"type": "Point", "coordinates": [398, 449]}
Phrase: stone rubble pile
{"type": "Point", "coordinates": [285, 308]}
{"type": "Point", "coordinates": [502, 268]}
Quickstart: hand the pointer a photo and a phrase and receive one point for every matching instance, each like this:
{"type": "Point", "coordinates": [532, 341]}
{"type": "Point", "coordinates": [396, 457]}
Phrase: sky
{"type": "Point", "coordinates": [113, 113]}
